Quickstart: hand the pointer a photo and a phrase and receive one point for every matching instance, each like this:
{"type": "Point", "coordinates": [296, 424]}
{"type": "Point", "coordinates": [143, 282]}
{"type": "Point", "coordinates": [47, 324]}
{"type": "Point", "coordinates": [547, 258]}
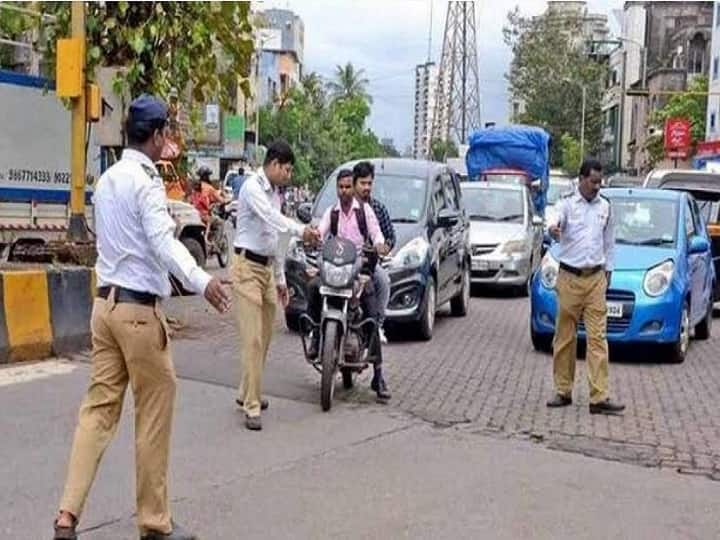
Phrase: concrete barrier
{"type": "Point", "coordinates": [45, 312]}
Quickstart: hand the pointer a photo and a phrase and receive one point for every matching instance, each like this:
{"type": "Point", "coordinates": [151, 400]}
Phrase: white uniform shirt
{"type": "Point", "coordinates": [135, 233]}
{"type": "Point", "coordinates": [260, 220]}
{"type": "Point", "coordinates": [587, 236]}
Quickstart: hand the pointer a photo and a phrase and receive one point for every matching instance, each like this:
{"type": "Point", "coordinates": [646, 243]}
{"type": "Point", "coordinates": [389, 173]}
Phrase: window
{"type": "Point", "coordinates": [717, 15]}
{"type": "Point", "coordinates": [689, 221]}
{"type": "Point", "coordinates": [696, 54]}
{"type": "Point", "coordinates": [716, 61]}
{"type": "Point", "coordinates": [712, 121]}
{"type": "Point", "coordinates": [451, 194]}
{"type": "Point", "coordinates": [438, 195]}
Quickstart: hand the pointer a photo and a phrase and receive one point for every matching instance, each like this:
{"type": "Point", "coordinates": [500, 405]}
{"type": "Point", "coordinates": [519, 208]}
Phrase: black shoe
{"type": "Point", "coordinates": [65, 533]}
{"type": "Point", "coordinates": [264, 403]}
{"type": "Point", "coordinates": [178, 533]}
{"type": "Point", "coordinates": [559, 401]}
{"type": "Point", "coordinates": [314, 346]}
{"type": "Point", "coordinates": [253, 423]}
{"type": "Point", "coordinates": [380, 388]}
{"type": "Point", "coordinates": [606, 407]}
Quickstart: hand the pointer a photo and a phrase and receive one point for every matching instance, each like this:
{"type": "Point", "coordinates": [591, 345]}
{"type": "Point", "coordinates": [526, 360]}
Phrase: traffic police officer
{"type": "Point", "coordinates": [258, 270]}
{"type": "Point", "coordinates": [130, 341]}
{"type": "Point", "coordinates": [584, 229]}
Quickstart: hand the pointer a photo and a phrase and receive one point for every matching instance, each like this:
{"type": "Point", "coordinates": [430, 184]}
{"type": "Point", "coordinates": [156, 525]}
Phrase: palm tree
{"type": "Point", "coordinates": [312, 87]}
{"type": "Point", "coordinates": [349, 83]}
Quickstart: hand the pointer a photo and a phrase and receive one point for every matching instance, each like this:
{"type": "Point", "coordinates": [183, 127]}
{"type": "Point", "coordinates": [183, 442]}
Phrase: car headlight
{"type": "Point", "coordinates": [657, 279]}
{"type": "Point", "coordinates": [411, 255]}
{"type": "Point", "coordinates": [514, 247]}
{"type": "Point", "coordinates": [549, 271]}
{"type": "Point", "coordinates": [295, 251]}
{"type": "Point", "coordinates": [336, 276]}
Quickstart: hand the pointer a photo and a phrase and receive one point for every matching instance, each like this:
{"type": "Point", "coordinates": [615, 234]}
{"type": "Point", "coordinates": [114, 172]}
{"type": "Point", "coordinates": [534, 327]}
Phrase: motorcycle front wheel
{"type": "Point", "coordinates": [223, 247]}
{"type": "Point", "coordinates": [330, 351]}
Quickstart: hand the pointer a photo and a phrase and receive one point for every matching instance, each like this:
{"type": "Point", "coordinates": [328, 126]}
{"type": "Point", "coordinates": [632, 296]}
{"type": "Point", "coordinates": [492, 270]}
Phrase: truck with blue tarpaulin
{"type": "Point", "coordinates": [512, 154]}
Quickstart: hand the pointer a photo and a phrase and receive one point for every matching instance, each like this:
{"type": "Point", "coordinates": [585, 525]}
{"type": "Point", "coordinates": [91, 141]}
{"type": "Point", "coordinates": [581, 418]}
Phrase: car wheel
{"type": "Point", "coordinates": [540, 342]}
{"type": "Point", "coordinates": [460, 304]}
{"type": "Point", "coordinates": [679, 349]}
{"type": "Point", "coordinates": [427, 315]}
{"type": "Point", "coordinates": [703, 329]}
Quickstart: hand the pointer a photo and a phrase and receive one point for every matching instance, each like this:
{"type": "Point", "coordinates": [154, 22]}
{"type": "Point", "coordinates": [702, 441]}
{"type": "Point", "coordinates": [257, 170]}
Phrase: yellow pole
{"type": "Point", "coordinates": [77, 229]}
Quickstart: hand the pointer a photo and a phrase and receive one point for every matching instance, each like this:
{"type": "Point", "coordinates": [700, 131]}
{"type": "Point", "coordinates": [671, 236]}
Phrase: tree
{"type": "Point", "coordinates": [570, 154]}
{"type": "Point", "coordinates": [200, 47]}
{"type": "Point", "coordinates": [548, 72]}
{"type": "Point", "coordinates": [441, 150]}
{"type": "Point", "coordinates": [691, 105]}
{"type": "Point", "coordinates": [349, 83]}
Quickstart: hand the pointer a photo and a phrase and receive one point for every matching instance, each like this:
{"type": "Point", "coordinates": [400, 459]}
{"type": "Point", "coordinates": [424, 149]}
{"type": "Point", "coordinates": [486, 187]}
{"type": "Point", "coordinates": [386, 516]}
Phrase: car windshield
{"type": "Point", "coordinates": [556, 189]}
{"type": "Point", "coordinates": [644, 222]}
{"type": "Point", "coordinates": [488, 204]}
{"type": "Point", "coordinates": [404, 197]}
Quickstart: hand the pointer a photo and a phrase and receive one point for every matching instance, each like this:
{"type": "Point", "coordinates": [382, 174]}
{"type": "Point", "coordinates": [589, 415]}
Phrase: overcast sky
{"type": "Point", "coordinates": [388, 38]}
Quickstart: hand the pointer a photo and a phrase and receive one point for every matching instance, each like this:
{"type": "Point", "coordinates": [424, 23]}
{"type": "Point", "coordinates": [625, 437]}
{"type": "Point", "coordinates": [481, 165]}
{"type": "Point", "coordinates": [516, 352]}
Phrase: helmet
{"type": "Point", "coordinates": [204, 172]}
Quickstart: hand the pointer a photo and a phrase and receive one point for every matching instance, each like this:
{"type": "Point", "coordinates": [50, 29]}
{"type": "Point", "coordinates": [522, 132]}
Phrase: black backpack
{"type": "Point", "coordinates": [362, 225]}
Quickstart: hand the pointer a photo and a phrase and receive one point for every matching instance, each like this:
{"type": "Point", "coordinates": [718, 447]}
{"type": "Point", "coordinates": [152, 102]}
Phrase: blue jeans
{"type": "Point", "coordinates": [381, 283]}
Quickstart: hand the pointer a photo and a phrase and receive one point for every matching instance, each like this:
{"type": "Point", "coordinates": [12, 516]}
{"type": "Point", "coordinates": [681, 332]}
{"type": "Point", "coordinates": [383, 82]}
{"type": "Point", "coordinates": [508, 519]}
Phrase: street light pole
{"type": "Point", "coordinates": [582, 126]}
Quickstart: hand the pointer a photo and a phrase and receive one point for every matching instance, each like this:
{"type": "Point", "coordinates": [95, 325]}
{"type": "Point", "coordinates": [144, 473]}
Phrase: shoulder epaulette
{"type": "Point", "coordinates": [152, 173]}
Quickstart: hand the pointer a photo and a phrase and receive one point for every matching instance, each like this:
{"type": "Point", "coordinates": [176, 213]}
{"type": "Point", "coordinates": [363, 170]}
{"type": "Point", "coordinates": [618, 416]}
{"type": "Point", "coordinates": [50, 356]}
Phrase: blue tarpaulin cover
{"type": "Point", "coordinates": [512, 147]}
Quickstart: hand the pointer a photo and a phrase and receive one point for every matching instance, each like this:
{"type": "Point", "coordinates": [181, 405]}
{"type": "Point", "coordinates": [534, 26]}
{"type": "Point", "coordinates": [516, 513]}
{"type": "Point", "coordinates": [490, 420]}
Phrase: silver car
{"type": "Point", "coordinates": [505, 234]}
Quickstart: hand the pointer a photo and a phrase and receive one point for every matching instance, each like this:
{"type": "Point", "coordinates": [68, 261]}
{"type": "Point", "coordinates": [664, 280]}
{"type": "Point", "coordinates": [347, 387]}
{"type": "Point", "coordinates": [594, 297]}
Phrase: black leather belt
{"type": "Point", "coordinates": [580, 271]}
{"type": "Point", "coordinates": [252, 256]}
{"type": "Point", "coordinates": [128, 296]}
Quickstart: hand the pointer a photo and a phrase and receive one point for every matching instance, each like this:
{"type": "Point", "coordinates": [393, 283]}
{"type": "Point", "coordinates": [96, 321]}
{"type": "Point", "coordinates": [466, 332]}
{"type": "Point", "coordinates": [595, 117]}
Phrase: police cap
{"type": "Point", "coordinates": [146, 108]}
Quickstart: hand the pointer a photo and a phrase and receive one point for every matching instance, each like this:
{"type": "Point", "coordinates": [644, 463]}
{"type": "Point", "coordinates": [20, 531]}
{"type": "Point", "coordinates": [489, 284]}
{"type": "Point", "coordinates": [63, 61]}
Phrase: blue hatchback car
{"type": "Point", "coordinates": [661, 287]}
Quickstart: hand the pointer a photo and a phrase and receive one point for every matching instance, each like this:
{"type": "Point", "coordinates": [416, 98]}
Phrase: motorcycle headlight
{"type": "Point", "coordinates": [295, 251]}
{"type": "Point", "coordinates": [657, 279]}
{"type": "Point", "coordinates": [549, 271]}
{"type": "Point", "coordinates": [514, 247]}
{"type": "Point", "coordinates": [411, 255]}
{"type": "Point", "coordinates": [336, 276]}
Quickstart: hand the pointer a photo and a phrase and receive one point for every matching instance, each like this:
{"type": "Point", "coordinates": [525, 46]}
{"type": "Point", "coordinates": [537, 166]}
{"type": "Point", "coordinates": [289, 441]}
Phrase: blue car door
{"type": "Point", "coordinates": [707, 257]}
{"type": "Point", "coordinates": [696, 266]}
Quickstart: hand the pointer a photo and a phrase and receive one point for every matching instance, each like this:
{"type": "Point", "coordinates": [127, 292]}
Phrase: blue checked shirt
{"type": "Point", "coordinates": [383, 217]}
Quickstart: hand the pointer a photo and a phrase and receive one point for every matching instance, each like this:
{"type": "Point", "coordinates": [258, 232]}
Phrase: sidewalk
{"type": "Point", "coordinates": [356, 472]}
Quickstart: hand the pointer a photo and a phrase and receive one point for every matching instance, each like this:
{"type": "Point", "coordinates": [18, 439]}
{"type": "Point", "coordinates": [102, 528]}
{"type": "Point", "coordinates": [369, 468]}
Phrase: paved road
{"type": "Point", "coordinates": [481, 371]}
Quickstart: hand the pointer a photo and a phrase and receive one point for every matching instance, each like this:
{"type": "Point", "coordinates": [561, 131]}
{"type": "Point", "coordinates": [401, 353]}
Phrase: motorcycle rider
{"type": "Point", "coordinates": [363, 176]}
{"type": "Point", "coordinates": [203, 197]}
{"type": "Point", "coordinates": [356, 222]}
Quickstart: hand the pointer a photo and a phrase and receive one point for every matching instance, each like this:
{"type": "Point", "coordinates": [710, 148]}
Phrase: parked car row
{"type": "Point", "coordinates": [664, 284]}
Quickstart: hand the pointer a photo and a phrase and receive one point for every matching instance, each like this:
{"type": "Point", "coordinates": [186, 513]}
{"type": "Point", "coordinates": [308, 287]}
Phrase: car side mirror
{"type": "Point", "coordinates": [537, 221]}
{"type": "Point", "coordinates": [447, 217]}
{"type": "Point", "coordinates": [304, 213]}
{"type": "Point", "coordinates": [698, 244]}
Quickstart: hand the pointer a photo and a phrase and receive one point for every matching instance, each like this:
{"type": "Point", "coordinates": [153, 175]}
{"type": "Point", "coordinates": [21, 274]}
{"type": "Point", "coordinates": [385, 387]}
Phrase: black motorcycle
{"type": "Point", "coordinates": [344, 334]}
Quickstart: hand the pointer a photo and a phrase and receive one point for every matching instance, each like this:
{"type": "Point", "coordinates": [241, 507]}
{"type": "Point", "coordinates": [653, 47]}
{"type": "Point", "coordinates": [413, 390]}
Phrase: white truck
{"type": "Point", "coordinates": [35, 166]}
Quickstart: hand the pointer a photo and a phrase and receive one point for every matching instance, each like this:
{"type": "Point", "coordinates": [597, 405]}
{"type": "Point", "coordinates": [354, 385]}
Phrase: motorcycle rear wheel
{"type": "Point", "coordinates": [330, 351]}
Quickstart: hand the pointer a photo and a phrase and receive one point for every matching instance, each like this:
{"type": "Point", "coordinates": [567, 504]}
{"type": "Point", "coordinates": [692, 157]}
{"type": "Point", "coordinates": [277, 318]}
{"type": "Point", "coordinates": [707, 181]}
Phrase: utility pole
{"type": "Point", "coordinates": [582, 125]}
{"type": "Point", "coordinates": [77, 228]}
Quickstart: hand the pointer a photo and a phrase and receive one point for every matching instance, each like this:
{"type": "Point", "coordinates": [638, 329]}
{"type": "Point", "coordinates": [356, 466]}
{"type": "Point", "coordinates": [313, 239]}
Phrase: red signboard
{"type": "Point", "coordinates": [708, 148]}
{"type": "Point", "coordinates": [677, 137]}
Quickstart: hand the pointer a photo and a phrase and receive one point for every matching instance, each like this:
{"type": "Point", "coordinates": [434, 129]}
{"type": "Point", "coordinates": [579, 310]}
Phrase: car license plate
{"type": "Point", "coordinates": [615, 310]}
{"type": "Point", "coordinates": [480, 265]}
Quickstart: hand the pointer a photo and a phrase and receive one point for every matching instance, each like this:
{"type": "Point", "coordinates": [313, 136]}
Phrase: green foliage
{"type": "Point", "coordinates": [570, 154]}
{"type": "Point", "coordinates": [323, 132]}
{"type": "Point", "coordinates": [349, 83]}
{"type": "Point", "coordinates": [441, 150]}
{"type": "Point", "coordinates": [13, 25]}
{"type": "Point", "coordinates": [548, 72]}
{"type": "Point", "coordinates": [202, 47]}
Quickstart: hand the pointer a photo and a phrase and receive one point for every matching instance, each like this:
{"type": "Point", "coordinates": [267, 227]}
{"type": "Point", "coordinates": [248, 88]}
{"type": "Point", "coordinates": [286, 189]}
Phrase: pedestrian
{"type": "Point", "coordinates": [130, 340]}
{"type": "Point", "coordinates": [584, 229]}
{"type": "Point", "coordinates": [364, 176]}
{"type": "Point", "coordinates": [258, 270]}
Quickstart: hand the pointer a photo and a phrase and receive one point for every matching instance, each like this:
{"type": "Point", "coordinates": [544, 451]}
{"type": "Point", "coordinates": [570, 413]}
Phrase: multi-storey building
{"type": "Point", "coordinates": [425, 89]}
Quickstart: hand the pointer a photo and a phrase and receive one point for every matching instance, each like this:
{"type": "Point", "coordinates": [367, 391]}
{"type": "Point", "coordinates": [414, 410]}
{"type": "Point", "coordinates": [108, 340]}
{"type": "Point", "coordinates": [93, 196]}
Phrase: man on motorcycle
{"type": "Point", "coordinates": [354, 221]}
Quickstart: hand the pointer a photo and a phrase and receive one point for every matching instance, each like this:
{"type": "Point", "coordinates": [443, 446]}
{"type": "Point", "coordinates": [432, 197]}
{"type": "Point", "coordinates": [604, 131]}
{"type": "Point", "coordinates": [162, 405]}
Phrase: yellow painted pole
{"type": "Point", "coordinates": [77, 229]}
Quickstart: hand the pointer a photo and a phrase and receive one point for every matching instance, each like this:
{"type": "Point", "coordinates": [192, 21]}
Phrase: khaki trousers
{"type": "Point", "coordinates": [129, 344]}
{"type": "Point", "coordinates": [581, 296]}
{"type": "Point", "coordinates": [256, 302]}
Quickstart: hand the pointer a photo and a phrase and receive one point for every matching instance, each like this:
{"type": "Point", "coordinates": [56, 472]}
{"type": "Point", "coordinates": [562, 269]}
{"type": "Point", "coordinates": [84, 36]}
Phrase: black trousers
{"type": "Point", "coordinates": [370, 306]}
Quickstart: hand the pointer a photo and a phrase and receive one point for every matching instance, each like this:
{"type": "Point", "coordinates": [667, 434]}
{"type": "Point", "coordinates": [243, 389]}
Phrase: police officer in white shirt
{"type": "Point", "coordinates": [585, 231]}
{"type": "Point", "coordinates": [130, 341]}
{"type": "Point", "coordinates": [258, 270]}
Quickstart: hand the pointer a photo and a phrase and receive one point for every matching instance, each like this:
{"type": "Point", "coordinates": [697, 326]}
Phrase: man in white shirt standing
{"type": "Point", "coordinates": [258, 270]}
{"type": "Point", "coordinates": [130, 342]}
